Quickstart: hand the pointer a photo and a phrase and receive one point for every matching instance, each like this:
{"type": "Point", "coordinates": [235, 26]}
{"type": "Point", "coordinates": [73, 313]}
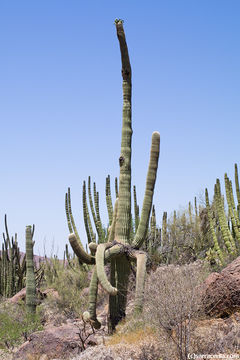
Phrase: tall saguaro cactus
{"type": "Point", "coordinates": [119, 249]}
{"type": "Point", "coordinates": [30, 277]}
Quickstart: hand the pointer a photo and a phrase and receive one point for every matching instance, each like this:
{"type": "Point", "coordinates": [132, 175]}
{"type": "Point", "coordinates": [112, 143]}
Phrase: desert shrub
{"type": "Point", "coordinates": [172, 302]}
{"type": "Point", "coordinates": [17, 325]}
{"type": "Point", "coordinates": [68, 282]}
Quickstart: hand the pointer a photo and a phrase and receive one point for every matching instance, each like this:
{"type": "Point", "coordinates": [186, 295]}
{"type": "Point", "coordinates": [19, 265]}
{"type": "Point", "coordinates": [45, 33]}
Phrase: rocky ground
{"type": "Point", "coordinates": [218, 332]}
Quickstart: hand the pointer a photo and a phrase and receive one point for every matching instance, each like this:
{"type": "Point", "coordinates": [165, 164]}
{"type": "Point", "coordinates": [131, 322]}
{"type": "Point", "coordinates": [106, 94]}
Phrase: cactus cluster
{"type": "Point", "coordinates": [180, 238]}
{"type": "Point", "coordinates": [120, 244]}
{"type": "Point", "coordinates": [224, 227]}
{"type": "Point", "coordinates": [12, 266]}
{"type": "Point", "coordinates": [17, 270]}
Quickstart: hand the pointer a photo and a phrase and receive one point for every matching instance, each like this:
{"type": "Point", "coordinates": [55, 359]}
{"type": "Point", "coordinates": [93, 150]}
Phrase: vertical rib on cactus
{"type": "Point", "coordinates": [112, 228]}
{"type": "Point", "coordinates": [136, 208]}
{"type": "Point", "coordinates": [30, 277]}
{"type": "Point", "coordinates": [116, 187]}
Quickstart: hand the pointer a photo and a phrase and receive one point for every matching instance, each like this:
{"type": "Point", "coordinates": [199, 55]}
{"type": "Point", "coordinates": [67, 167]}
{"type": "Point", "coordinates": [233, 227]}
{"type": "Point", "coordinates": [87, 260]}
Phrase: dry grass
{"type": "Point", "coordinates": [132, 337]}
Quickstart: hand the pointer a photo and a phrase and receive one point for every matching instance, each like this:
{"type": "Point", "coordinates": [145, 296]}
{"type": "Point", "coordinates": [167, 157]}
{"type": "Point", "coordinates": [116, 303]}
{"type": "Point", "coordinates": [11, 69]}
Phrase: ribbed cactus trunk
{"type": "Point", "coordinates": [121, 245]}
{"type": "Point", "coordinates": [123, 221]}
{"type": "Point", "coordinates": [30, 277]}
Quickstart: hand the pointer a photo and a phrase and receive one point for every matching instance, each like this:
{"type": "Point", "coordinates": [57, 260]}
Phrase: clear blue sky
{"type": "Point", "coordinates": [61, 103]}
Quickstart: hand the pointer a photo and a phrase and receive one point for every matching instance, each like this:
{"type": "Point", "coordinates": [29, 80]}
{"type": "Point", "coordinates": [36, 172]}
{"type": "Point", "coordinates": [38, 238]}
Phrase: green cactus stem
{"type": "Point", "coordinates": [227, 236]}
{"type": "Point", "coordinates": [237, 185]}
{"type": "Point", "coordinates": [87, 221]}
{"type": "Point", "coordinates": [109, 199]}
{"type": "Point", "coordinates": [214, 237]}
{"type": "Point", "coordinates": [149, 190]}
{"type": "Point", "coordinates": [79, 250]}
{"type": "Point", "coordinates": [30, 277]}
{"type": "Point", "coordinates": [102, 277]}
{"type": "Point", "coordinates": [116, 187]}
{"type": "Point", "coordinates": [111, 230]}
{"type": "Point", "coordinates": [91, 315]}
{"type": "Point", "coordinates": [233, 204]}
{"type": "Point", "coordinates": [228, 191]}
{"type": "Point", "coordinates": [136, 208]}
{"type": "Point", "coordinates": [164, 230]}
{"type": "Point", "coordinates": [140, 280]}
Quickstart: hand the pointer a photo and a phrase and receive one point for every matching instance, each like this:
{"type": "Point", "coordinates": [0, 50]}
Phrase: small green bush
{"type": "Point", "coordinates": [68, 282]}
{"type": "Point", "coordinates": [17, 325]}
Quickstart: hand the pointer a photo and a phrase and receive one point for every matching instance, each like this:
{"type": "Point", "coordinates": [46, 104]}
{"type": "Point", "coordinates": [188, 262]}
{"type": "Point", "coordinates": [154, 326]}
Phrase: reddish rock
{"type": "Point", "coordinates": [21, 295]}
{"type": "Point", "coordinates": [51, 292]}
{"type": "Point", "coordinates": [221, 291]}
{"type": "Point", "coordinates": [55, 342]}
{"type": "Point", "coordinates": [216, 336]}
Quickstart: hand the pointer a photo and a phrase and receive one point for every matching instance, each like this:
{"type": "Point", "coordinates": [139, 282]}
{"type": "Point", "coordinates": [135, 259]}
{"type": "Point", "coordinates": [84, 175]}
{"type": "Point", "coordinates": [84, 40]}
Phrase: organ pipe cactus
{"type": "Point", "coordinates": [227, 226]}
{"type": "Point", "coordinates": [227, 236]}
{"type": "Point", "coordinates": [12, 265]}
{"type": "Point", "coordinates": [119, 249]}
{"type": "Point", "coordinates": [217, 249]}
{"type": "Point", "coordinates": [232, 210]}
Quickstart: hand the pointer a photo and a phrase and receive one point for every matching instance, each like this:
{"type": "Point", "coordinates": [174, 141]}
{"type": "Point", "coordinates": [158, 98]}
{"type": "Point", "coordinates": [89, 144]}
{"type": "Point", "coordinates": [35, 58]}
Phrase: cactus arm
{"type": "Point", "coordinates": [30, 277]}
{"type": "Point", "coordinates": [82, 255]}
{"type": "Point", "coordinates": [87, 221]}
{"type": "Point", "coordinates": [123, 223]}
{"type": "Point", "coordinates": [113, 252]}
{"type": "Point", "coordinates": [190, 213]}
{"type": "Point", "coordinates": [67, 214]}
{"type": "Point", "coordinates": [91, 204]}
{"type": "Point", "coordinates": [98, 223]}
{"type": "Point", "coordinates": [90, 315]}
{"type": "Point", "coordinates": [150, 183]}
{"type": "Point", "coordinates": [140, 280]}
{"type": "Point", "coordinates": [102, 277]}
{"type": "Point", "coordinates": [109, 199]}
{"type": "Point", "coordinates": [70, 217]}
